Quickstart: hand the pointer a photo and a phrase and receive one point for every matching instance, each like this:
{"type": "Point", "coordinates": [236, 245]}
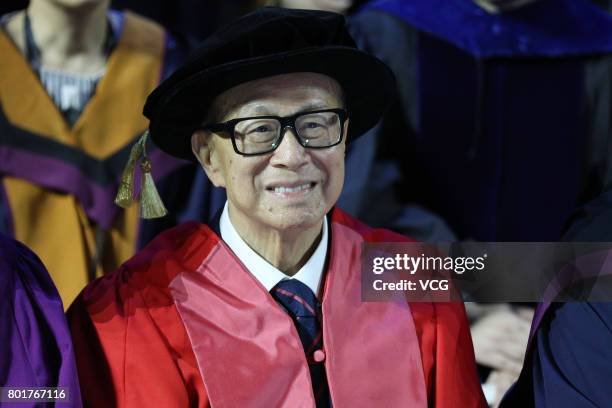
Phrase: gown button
{"type": "Point", "coordinates": [319, 356]}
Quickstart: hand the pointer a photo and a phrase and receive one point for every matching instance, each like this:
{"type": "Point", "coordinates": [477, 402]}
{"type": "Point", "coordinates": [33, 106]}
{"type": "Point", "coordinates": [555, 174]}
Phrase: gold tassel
{"type": "Point", "coordinates": [151, 204]}
{"type": "Point", "coordinates": [125, 194]}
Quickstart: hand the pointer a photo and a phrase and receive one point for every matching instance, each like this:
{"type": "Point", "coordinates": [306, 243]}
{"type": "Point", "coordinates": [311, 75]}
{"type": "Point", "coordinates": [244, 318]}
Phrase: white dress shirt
{"type": "Point", "coordinates": [310, 274]}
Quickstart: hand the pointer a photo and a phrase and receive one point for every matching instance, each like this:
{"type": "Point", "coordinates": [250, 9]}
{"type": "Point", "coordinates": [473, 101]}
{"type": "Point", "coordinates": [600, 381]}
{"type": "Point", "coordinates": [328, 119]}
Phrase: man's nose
{"type": "Point", "coordinates": [290, 153]}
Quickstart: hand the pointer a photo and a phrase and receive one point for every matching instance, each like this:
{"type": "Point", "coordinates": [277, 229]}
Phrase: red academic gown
{"type": "Point", "coordinates": [183, 323]}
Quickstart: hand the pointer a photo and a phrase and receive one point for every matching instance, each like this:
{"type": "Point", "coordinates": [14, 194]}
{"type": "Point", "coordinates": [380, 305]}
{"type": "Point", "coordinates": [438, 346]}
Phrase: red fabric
{"type": "Point", "coordinates": [132, 348]}
{"type": "Point", "coordinates": [444, 337]}
{"type": "Point", "coordinates": [448, 355]}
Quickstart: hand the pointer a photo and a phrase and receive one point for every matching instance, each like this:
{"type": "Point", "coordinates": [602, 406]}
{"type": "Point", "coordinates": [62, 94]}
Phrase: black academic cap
{"type": "Point", "coordinates": [270, 41]}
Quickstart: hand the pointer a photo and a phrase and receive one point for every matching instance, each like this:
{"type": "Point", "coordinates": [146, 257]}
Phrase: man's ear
{"type": "Point", "coordinates": [345, 134]}
{"type": "Point", "coordinates": [203, 148]}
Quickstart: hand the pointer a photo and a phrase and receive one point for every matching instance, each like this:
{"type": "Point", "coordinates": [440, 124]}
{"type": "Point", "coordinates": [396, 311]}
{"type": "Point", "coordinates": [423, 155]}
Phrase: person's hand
{"type": "Point", "coordinates": [496, 386]}
{"type": "Point", "coordinates": [500, 338]}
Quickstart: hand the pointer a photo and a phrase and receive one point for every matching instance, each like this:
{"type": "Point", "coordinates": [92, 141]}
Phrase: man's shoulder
{"type": "Point", "coordinates": [451, 311]}
{"type": "Point", "coordinates": [150, 271]}
{"type": "Point", "coordinates": [369, 234]}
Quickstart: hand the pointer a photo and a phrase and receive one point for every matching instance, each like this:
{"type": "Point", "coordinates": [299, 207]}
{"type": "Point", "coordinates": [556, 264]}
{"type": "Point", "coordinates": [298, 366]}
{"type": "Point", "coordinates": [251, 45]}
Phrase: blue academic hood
{"type": "Point", "coordinates": [546, 28]}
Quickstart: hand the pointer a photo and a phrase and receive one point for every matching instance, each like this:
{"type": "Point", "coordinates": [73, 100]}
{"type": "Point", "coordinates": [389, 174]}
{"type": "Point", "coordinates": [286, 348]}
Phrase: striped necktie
{"type": "Point", "coordinates": [301, 304]}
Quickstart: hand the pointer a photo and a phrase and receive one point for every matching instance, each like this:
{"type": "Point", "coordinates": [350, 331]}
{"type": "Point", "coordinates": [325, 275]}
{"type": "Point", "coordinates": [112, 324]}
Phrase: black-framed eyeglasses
{"type": "Point", "coordinates": [257, 135]}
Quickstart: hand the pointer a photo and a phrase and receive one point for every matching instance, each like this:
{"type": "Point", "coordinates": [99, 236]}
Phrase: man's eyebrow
{"type": "Point", "coordinates": [314, 106]}
{"type": "Point", "coordinates": [252, 110]}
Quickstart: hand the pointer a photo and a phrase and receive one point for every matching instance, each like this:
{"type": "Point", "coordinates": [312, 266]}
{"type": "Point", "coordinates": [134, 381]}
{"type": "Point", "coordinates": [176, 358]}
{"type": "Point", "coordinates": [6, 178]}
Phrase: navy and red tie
{"type": "Point", "coordinates": [301, 304]}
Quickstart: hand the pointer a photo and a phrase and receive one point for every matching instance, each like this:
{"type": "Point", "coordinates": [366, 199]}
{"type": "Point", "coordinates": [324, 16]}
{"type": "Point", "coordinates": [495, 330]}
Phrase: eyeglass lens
{"type": "Point", "coordinates": [256, 135]}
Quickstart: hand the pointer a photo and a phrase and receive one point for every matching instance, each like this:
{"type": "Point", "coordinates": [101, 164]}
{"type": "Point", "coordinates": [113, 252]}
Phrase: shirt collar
{"type": "Point", "coordinates": [310, 274]}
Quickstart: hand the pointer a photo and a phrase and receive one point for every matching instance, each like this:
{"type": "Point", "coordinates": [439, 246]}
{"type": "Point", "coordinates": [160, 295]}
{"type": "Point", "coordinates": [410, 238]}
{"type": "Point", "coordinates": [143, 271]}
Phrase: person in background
{"type": "Point", "coordinates": [73, 81]}
{"type": "Point", "coordinates": [495, 167]}
{"type": "Point", "coordinates": [262, 307]}
{"type": "Point", "coordinates": [569, 360]}
{"type": "Point", "coordinates": [35, 345]}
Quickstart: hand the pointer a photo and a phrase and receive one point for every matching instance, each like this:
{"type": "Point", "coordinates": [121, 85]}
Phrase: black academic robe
{"type": "Point", "coordinates": [569, 359]}
{"type": "Point", "coordinates": [503, 124]}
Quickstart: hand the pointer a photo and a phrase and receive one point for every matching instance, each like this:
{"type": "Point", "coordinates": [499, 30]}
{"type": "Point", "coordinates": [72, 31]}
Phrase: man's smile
{"type": "Point", "coordinates": [295, 189]}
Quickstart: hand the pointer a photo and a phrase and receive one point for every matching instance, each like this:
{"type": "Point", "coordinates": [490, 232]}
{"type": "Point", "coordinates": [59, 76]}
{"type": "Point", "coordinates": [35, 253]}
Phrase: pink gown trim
{"type": "Point", "coordinates": [249, 353]}
{"type": "Point", "coordinates": [372, 351]}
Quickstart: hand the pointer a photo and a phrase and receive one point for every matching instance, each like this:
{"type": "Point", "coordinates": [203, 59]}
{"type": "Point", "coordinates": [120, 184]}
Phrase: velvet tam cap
{"type": "Point", "coordinates": [267, 42]}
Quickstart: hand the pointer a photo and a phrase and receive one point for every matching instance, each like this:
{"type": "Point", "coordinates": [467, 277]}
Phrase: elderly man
{"type": "Point", "coordinates": [262, 308]}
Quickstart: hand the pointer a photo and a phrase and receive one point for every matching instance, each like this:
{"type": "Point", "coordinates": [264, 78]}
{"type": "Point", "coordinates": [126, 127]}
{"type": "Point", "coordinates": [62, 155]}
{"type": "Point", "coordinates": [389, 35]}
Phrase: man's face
{"type": "Point", "coordinates": [292, 187]}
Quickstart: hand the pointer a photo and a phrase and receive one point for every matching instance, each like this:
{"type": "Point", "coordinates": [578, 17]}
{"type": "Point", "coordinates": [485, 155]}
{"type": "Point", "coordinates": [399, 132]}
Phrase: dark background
{"type": "Point", "coordinates": [197, 18]}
